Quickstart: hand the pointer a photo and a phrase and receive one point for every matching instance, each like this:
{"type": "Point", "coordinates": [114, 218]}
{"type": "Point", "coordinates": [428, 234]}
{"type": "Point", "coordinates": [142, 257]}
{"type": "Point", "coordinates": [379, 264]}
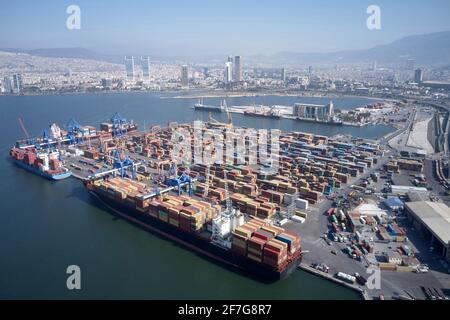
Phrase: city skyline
{"type": "Point", "coordinates": [201, 28]}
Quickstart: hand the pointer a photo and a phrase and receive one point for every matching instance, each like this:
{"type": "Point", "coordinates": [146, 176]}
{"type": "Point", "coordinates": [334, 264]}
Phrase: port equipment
{"type": "Point", "coordinates": [121, 162]}
{"type": "Point", "coordinates": [47, 140]}
{"type": "Point", "coordinates": [208, 174]}
{"type": "Point", "coordinates": [226, 221]}
{"type": "Point", "coordinates": [168, 189]}
{"type": "Point", "coordinates": [228, 203]}
{"type": "Point", "coordinates": [22, 125]}
{"type": "Point", "coordinates": [118, 125]}
{"type": "Point", "coordinates": [113, 171]}
{"type": "Point", "coordinates": [29, 141]}
{"type": "Point", "coordinates": [215, 123]}
{"type": "Point", "coordinates": [73, 128]}
{"type": "Point", "coordinates": [183, 179]}
{"type": "Point", "coordinates": [173, 169]}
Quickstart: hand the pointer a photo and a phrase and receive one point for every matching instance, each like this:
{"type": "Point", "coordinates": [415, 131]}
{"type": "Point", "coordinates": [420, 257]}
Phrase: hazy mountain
{"type": "Point", "coordinates": [76, 53]}
{"type": "Point", "coordinates": [428, 49]}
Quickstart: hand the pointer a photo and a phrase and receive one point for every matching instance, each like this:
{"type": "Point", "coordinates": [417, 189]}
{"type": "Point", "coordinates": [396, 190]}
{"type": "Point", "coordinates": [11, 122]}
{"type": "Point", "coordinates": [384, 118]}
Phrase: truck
{"type": "Point", "coordinates": [360, 279]}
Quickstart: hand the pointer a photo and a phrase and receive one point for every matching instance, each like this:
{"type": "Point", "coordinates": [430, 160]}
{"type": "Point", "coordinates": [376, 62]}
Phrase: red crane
{"type": "Point", "coordinates": [23, 128]}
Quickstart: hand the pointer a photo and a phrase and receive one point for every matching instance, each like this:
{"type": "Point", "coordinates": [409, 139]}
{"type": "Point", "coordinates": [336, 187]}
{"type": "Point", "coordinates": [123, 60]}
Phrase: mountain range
{"type": "Point", "coordinates": [428, 50]}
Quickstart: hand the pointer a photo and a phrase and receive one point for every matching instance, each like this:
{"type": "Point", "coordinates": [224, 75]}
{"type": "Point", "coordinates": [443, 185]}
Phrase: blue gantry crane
{"type": "Point", "coordinates": [73, 130]}
{"type": "Point", "coordinates": [118, 125]}
{"type": "Point", "coordinates": [179, 181]}
{"type": "Point", "coordinates": [122, 162]}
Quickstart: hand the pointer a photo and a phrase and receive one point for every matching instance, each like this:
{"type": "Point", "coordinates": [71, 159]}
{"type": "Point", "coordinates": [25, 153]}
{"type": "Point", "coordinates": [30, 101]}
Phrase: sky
{"type": "Point", "coordinates": [210, 27]}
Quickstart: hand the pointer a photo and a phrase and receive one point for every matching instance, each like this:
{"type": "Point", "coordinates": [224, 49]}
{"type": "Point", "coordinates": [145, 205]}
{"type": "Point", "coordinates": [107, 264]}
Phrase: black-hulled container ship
{"type": "Point", "coordinates": [253, 247]}
{"type": "Point", "coordinates": [221, 108]}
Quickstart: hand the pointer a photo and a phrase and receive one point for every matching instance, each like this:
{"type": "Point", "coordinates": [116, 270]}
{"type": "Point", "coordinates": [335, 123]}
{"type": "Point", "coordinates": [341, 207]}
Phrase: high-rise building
{"type": "Point", "coordinates": [17, 83]}
{"type": "Point", "coordinates": [374, 66]}
{"type": "Point", "coordinates": [145, 64]}
{"type": "Point", "coordinates": [129, 64]}
{"type": "Point", "coordinates": [410, 63]}
{"type": "Point", "coordinates": [228, 75]}
{"type": "Point", "coordinates": [283, 74]}
{"type": "Point", "coordinates": [231, 61]}
{"type": "Point", "coordinates": [8, 84]}
{"type": "Point", "coordinates": [418, 76]}
{"type": "Point", "coordinates": [310, 70]}
{"type": "Point", "coordinates": [237, 69]}
{"type": "Point", "coordinates": [184, 76]}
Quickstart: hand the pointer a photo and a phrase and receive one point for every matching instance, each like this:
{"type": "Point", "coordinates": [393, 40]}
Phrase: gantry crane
{"type": "Point", "coordinates": [207, 177]}
{"type": "Point", "coordinates": [118, 125]}
{"type": "Point", "coordinates": [228, 204]}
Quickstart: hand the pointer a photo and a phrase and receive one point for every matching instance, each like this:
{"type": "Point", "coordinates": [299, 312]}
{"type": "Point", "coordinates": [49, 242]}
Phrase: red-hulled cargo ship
{"type": "Point", "coordinates": [45, 164]}
{"type": "Point", "coordinates": [262, 258]}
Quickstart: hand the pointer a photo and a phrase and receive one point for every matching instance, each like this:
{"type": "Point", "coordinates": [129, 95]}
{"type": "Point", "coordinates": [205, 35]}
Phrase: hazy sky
{"type": "Point", "coordinates": [201, 27]}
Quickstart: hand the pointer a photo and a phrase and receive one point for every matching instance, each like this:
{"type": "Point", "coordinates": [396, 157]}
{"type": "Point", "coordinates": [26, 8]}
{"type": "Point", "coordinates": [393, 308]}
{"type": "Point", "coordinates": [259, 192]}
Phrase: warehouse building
{"type": "Point", "coordinates": [313, 111]}
{"type": "Point", "coordinates": [433, 220]}
{"type": "Point", "coordinates": [403, 190]}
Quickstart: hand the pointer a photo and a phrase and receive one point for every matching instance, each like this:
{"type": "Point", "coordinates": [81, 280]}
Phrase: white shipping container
{"type": "Point", "coordinates": [302, 204]}
{"type": "Point", "coordinates": [298, 219]}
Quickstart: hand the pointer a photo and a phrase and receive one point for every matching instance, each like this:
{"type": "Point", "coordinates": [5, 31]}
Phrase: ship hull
{"type": "Point", "coordinates": [319, 121]}
{"type": "Point", "coordinates": [261, 115]}
{"type": "Point", "coordinates": [208, 108]}
{"type": "Point", "coordinates": [54, 177]}
{"type": "Point", "coordinates": [195, 242]}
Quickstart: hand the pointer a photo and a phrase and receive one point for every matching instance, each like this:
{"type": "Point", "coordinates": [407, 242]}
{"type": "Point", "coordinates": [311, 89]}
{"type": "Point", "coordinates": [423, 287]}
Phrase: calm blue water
{"type": "Point", "coordinates": [47, 226]}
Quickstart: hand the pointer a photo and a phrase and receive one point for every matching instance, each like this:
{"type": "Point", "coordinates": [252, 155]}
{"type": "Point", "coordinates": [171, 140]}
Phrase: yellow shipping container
{"type": "Point", "coordinates": [387, 266]}
{"type": "Point", "coordinates": [404, 269]}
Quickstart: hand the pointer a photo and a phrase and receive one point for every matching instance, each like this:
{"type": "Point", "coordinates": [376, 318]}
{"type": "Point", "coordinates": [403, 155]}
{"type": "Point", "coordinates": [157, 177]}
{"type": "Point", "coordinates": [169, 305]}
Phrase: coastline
{"type": "Point", "coordinates": [207, 95]}
{"type": "Point", "coordinates": [329, 277]}
{"type": "Point", "coordinates": [294, 95]}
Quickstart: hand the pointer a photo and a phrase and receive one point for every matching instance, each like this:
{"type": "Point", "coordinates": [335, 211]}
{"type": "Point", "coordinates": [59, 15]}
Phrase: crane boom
{"type": "Point", "coordinates": [229, 206]}
{"type": "Point", "coordinates": [22, 125]}
{"type": "Point", "coordinates": [208, 173]}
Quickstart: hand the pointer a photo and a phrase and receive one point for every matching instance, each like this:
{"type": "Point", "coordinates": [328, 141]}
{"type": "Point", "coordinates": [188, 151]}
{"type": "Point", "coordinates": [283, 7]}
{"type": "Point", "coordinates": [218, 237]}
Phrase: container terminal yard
{"type": "Point", "coordinates": [334, 206]}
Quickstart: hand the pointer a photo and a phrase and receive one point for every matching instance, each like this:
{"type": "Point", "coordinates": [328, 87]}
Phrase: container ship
{"type": "Point", "coordinates": [200, 106]}
{"type": "Point", "coordinates": [45, 164]}
{"type": "Point", "coordinates": [253, 247]}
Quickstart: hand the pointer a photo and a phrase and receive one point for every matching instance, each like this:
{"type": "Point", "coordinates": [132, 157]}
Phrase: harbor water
{"type": "Point", "coordinates": [47, 226]}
